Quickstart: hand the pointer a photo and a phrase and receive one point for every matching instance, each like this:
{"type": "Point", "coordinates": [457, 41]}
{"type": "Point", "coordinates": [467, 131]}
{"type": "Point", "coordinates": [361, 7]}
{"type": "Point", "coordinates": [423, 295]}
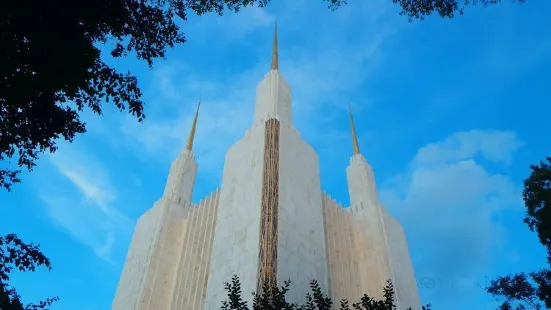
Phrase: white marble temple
{"type": "Point", "coordinates": [182, 253]}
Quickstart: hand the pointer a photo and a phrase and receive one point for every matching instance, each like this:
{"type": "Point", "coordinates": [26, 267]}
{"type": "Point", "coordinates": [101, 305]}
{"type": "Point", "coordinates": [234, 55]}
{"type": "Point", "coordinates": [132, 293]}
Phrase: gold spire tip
{"type": "Point", "coordinates": [275, 59]}
{"type": "Point", "coordinates": [355, 145]}
{"type": "Point", "coordinates": [189, 145]}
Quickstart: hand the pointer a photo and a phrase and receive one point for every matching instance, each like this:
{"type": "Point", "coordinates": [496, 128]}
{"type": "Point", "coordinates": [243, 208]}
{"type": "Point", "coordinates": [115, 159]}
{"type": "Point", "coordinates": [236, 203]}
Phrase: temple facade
{"type": "Point", "coordinates": [268, 221]}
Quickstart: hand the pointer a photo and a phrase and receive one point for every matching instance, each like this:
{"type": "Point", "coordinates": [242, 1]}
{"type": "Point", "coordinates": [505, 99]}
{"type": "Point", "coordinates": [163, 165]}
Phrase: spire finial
{"type": "Point", "coordinates": [275, 59]}
{"type": "Point", "coordinates": [353, 131]}
{"type": "Point", "coordinates": [189, 145]}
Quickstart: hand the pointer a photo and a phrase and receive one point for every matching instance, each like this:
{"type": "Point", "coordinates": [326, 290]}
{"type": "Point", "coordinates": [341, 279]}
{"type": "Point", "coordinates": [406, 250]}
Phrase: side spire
{"type": "Point", "coordinates": [189, 145]}
{"type": "Point", "coordinates": [275, 59]}
{"type": "Point", "coordinates": [353, 131]}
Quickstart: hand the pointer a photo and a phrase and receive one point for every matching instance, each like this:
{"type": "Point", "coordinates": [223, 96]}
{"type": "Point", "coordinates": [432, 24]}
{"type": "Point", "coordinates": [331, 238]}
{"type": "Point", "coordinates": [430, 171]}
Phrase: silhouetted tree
{"type": "Point", "coordinates": [273, 298]}
{"type": "Point", "coordinates": [51, 66]}
{"type": "Point", "coordinates": [537, 199]}
{"type": "Point", "coordinates": [531, 290]}
{"type": "Point", "coordinates": [235, 301]}
{"type": "Point", "coordinates": [19, 256]}
{"type": "Point", "coordinates": [419, 9]}
{"type": "Point", "coordinates": [316, 300]}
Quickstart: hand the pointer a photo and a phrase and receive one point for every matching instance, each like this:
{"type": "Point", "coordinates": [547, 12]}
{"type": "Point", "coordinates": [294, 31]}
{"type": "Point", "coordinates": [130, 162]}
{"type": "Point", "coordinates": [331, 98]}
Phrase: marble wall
{"type": "Point", "coordinates": [181, 178]}
{"type": "Point", "coordinates": [380, 244]}
{"type": "Point", "coordinates": [301, 248]}
{"type": "Point", "coordinates": [164, 255]}
{"type": "Point", "coordinates": [236, 238]}
{"type": "Point", "coordinates": [129, 294]}
{"type": "Point", "coordinates": [369, 236]}
{"type": "Point", "coordinates": [273, 99]}
{"type": "Point", "coordinates": [149, 272]}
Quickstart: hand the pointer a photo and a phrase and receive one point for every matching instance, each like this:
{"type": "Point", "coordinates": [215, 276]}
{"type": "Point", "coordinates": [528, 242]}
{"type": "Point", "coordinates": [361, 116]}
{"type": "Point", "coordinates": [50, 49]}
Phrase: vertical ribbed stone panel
{"type": "Point", "coordinates": [187, 256]}
{"type": "Point", "coordinates": [355, 293]}
{"type": "Point", "coordinates": [237, 234]}
{"type": "Point", "coordinates": [301, 244]}
{"type": "Point", "coordinates": [361, 259]}
{"type": "Point", "coordinates": [206, 250]}
{"type": "Point", "coordinates": [339, 250]}
{"type": "Point", "coordinates": [195, 251]}
{"type": "Point", "coordinates": [269, 209]}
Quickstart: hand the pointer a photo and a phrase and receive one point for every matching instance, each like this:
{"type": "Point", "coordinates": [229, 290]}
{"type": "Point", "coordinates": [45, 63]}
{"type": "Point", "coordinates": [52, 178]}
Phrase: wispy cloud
{"type": "Point", "coordinates": [449, 204]}
{"type": "Point", "coordinates": [87, 175]}
{"type": "Point", "coordinates": [88, 215]}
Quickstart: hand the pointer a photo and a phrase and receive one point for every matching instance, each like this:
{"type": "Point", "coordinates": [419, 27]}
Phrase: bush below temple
{"type": "Point", "coordinates": [274, 299]}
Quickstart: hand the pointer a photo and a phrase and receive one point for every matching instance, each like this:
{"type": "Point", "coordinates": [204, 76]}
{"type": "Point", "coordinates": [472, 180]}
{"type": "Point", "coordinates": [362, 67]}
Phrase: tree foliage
{"type": "Point", "coordinates": [273, 298]}
{"type": "Point", "coordinates": [419, 9]}
{"type": "Point", "coordinates": [531, 290]}
{"type": "Point", "coordinates": [51, 66]}
{"type": "Point", "coordinates": [15, 255]}
{"type": "Point", "coordinates": [537, 199]}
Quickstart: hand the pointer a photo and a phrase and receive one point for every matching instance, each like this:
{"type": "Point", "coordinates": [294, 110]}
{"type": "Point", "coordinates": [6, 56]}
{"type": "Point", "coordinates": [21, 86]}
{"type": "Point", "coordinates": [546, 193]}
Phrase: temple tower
{"type": "Point", "coordinates": [149, 272]}
{"type": "Point", "coordinates": [381, 248]}
{"type": "Point", "coordinates": [270, 221]}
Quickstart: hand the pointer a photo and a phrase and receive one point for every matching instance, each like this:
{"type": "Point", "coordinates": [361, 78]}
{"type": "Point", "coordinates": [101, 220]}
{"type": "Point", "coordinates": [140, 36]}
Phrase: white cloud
{"type": "Point", "coordinates": [86, 174]}
{"type": "Point", "coordinates": [449, 204]}
{"type": "Point", "coordinates": [93, 220]}
{"type": "Point", "coordinates": [493, 145]}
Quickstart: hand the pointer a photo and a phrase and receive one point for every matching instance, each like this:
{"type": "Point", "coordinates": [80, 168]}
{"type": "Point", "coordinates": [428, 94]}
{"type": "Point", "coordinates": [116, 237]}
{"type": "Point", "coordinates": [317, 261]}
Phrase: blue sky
{"type": "Point", "coordinates": [450, 113]}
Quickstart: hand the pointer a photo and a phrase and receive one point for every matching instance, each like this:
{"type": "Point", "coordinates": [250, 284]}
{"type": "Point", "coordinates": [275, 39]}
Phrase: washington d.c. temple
{"type": "Point", "coordinates": [268, 221]}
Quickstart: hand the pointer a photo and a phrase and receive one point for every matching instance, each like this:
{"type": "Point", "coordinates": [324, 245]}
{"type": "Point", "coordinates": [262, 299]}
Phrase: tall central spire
{"type": "Point", "coordinates": [353, 131]}
{"type": "Point", "coordinates": [275, 59]}
{"type": "Point", "coordinates": [273, 93]}
{"type": "Point", "coordinates": [189, 145]}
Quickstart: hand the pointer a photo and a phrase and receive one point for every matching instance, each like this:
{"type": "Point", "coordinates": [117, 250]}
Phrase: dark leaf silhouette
{"type": "Point", "coordinates": [531, 290]}
{"type": "Point", "coordinates": [15, 255]}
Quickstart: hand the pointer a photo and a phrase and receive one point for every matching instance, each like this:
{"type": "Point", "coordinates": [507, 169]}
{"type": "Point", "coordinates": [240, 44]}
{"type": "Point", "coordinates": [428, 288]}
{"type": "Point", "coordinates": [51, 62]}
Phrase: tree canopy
{"type": "Point", "coordinates": [15, 255]}
{"type": "Point", "coordinates": [531, 290]}
{"type": "Point", "coordinates": [52, 68]}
